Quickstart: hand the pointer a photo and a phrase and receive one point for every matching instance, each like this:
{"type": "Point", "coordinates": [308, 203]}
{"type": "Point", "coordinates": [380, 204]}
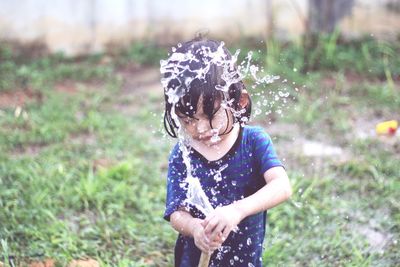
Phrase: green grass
{"type": "Point", "coordinates": [80, 178]}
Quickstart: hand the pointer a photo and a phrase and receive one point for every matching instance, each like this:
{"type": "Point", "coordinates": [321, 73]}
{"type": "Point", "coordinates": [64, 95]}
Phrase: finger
{"type": "Point", "coordinates": [218, 238]}
{"type": "Point", "coordinates": [203, 246]}
{"type": "Point", "coordinates": [201, 241]}
{"type": "Point", "coordinates": [216, 231]}
{"type": "Point", "coordinates": [215, 245]}
{"type": "Point", "coordinates": [225, 233]}
{"type": "Point", "coordinates": [207, 220]}
{"type": "Point", "coordinates": [212, 247]}
{"type": "Point", "coordinates": [206, 239]}
{"type": "Point", "coordinates": [199, 245]}
{"type": "Point", "coordinates": [211, 225]}
{"type": "Point", "coordinates": [206, 248]}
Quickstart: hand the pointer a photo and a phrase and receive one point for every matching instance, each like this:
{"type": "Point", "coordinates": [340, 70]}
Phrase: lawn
{"type": "Point", "coordinates": [83, 155]}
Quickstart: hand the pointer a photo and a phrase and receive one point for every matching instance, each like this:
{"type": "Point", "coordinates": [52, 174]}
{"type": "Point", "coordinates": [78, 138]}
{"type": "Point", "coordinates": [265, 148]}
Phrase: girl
{"type": "Point", "coordinates": [236, 164]}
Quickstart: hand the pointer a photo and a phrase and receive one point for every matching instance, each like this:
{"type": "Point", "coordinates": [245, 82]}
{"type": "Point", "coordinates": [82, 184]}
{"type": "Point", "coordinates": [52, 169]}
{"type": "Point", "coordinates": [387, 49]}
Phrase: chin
{"type": "Point", "coordinates": [211, 144]}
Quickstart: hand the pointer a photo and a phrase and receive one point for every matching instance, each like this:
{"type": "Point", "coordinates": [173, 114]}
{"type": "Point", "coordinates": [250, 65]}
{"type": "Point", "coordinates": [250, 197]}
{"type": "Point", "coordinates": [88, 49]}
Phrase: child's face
{"type": "Point", "coordinates": [199, 127]}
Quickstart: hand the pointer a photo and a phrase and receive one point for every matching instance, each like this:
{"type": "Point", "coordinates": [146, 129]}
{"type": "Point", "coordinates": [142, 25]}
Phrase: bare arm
{"type": "Point", "coordinates": [276, 191]}
{"type": "Point", "coordinates": [185, 224]}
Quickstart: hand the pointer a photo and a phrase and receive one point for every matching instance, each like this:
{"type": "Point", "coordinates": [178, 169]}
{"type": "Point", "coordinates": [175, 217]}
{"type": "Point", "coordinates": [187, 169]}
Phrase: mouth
{"type": "Point", "coordinates": [209, 139]}
{"type": "Point", "coordinates": [204, 138]}
{"type": "Point", "coordinates": [210, 135]}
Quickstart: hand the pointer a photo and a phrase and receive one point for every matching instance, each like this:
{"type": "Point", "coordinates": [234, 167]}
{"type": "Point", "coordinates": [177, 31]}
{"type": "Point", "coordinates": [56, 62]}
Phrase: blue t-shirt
{"type": "Point", "coordinates": [238, 174]}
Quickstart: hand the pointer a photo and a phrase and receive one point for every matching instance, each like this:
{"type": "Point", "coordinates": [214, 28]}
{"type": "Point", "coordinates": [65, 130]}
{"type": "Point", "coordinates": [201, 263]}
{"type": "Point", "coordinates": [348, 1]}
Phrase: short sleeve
{"type": "Point", "coordinates": [264, 151]}
{"type": "Point", "coordinates": [176, 174]}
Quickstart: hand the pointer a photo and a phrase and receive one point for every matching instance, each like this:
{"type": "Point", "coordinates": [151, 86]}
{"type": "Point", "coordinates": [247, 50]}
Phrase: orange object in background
{"type": "Point", "coordinates": [387, 127]}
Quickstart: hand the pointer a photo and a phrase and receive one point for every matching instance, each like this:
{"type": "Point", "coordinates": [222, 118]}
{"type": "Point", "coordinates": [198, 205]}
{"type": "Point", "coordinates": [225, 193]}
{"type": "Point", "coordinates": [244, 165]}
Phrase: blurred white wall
{"type": "Point", "coordinates": [76, 27]}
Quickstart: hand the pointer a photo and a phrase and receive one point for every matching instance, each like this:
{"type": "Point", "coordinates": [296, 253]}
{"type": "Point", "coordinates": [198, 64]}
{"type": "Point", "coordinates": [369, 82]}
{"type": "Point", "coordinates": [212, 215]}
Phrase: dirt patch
{"type": "Point", "coordinates": [137, 84]}
{"type": "Point", "coordinates": [45, 263]}
{"type": "Point", "coordinates": [355, 78]}
{"type": "Point", "coordinates": [318, 149]}
{"type": "Point", "coordinates": [102, 163]}
{"type": "Point", "coordinates": [84, 263]}
{"type": "Point", "coordinates": [82, 139]}
{"type": "Point", "coordinates": [28, 150]}
{"type": "Point", "coordinates": [377, 240]}
{"type": "Point", "coordinates": [19, 98]}
{"type": "Point", "coordinates": [139, 79]}
{"type": "Point", "coordinates": [67, 87]}
{"type": "Point", "coordinates": [352, 78]}
{"type": "Point", "coordinates": [281, 129]}
{"type": "Point", "coordinates": [71, 87]}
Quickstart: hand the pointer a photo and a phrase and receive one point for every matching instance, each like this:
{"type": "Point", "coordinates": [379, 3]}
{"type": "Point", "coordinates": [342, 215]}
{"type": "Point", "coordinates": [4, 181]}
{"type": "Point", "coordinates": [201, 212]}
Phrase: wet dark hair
{"type": "Point", "coordinates": [190, 92]}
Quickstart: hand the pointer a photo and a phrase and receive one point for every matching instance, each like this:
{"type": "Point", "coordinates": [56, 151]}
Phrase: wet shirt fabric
{"type": "Point", "coordinates": [236, 175]}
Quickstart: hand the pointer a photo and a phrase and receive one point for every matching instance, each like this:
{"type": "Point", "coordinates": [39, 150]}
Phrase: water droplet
{"type": "Point", "coordinates": [215, 138]}
{"type": "Point", "coordinates": [283, 94]}
{"type": "Point", "coordinates": [297, 204]}
{"type": "Point", "coordinates": [213, 191]}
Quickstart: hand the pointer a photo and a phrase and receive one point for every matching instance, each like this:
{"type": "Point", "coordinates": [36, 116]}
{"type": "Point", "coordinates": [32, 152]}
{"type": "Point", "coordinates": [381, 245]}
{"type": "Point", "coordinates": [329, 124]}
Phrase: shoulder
{"type": "Point", "coordinates": [176, 164]}
{"type": "Point", "coordinates": [255, 134]}
{"type": "Point", "coordinates": [175, 154]}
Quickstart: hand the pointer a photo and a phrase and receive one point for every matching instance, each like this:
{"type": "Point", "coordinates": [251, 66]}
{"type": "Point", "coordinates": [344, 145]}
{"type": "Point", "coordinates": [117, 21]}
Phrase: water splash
{"type": "Point", "coordinates": [218, 175]}
{"type": "Point", "coordinates": [197, 197]}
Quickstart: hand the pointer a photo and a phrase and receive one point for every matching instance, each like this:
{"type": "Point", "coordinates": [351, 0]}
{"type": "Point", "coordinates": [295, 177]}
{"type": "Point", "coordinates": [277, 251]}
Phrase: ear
{"type": "Point", "coordinates": [244, 99]}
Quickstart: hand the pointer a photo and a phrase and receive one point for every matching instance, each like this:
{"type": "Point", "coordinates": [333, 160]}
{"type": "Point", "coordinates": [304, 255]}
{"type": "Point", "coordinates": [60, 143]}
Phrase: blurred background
{"type": "Point", "coordinates": [83, 153]}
